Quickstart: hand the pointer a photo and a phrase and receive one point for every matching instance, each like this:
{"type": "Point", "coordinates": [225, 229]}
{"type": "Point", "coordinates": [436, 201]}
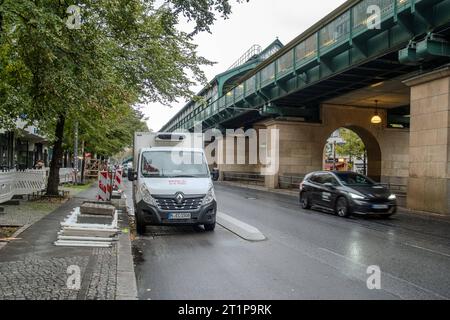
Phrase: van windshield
{"type": "Point", "coordinates": [174, 164]}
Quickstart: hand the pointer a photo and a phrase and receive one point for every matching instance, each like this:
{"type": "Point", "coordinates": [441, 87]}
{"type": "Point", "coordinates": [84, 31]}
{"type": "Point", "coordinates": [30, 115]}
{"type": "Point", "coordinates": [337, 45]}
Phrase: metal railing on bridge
{"type": "Point", "coordinates": [290, 182]}
{"type": "Point", "coordinates": [250, 53]}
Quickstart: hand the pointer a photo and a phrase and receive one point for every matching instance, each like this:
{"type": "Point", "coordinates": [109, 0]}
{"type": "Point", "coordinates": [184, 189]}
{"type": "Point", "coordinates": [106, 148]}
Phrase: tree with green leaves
{"type": "Point", "coordinates": [353, 146]}
{"type": "Point", "coordinates": [123, 53]}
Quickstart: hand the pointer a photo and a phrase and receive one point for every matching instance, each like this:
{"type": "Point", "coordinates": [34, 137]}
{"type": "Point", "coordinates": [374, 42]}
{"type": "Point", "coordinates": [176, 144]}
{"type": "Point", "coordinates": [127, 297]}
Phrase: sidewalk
{"type": "Point", "coordinates": [32, 267]}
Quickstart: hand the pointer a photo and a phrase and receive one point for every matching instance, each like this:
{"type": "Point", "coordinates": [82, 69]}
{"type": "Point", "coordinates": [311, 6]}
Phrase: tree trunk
{"type": "Point", "coordinates": [55, 164]}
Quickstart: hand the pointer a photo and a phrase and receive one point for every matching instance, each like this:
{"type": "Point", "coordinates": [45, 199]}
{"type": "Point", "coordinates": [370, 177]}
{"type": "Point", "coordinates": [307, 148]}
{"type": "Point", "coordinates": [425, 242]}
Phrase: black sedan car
{"type": "Point", "coordinates": [346, 193]}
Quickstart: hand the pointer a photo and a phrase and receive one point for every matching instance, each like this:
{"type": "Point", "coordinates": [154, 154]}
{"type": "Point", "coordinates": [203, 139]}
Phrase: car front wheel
{"type": "Point", "coordinates": [304, 201]}
{"type": "Point", "coordinates": [342, 209]}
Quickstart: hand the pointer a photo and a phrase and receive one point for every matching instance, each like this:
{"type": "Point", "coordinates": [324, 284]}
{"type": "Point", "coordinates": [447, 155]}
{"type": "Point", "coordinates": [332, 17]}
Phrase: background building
{"type": "Point", "coordinates": [22, 147]}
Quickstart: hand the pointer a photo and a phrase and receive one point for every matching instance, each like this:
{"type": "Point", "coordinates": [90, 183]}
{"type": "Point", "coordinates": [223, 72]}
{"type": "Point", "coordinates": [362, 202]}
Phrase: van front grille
{"type": "Point", "coordinates": [171, 204]}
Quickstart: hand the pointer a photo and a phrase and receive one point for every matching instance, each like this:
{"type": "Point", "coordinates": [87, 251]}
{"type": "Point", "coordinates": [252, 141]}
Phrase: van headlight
{"type": "Point", "coordinates": [392, 197]}
{"type": "Point", "coordinates": [146, 196]}
{"type": "Point", "coordinates": [210, 196]}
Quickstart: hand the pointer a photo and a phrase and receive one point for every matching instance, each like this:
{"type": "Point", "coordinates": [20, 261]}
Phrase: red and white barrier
{"type": "Point", "coordinates": [118, 180]}
{"type": "Point", "coordinates": [104, 186]}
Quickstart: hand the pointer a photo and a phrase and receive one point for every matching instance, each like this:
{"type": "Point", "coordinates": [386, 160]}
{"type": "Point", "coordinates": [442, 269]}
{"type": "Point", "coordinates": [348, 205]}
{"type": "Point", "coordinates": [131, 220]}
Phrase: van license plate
{"type": "Point", "coordinates": [380, 206]}
{"type": "Point", "coordinates": [179, 215]}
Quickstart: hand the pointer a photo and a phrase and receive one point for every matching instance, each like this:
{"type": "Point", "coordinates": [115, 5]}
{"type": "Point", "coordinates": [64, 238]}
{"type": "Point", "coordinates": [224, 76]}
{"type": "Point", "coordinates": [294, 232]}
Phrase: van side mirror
{"type": "Point", "coordinates": [131, 175]}
{"type": "Point", "coordinates": [215, 175]}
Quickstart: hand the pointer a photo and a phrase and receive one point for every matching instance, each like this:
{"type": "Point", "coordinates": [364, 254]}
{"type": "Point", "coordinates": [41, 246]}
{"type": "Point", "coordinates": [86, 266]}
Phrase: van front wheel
{"type": "Point", "coordinates": [140, 225]}
{"type": "Point", "coordinates": [210, 227]}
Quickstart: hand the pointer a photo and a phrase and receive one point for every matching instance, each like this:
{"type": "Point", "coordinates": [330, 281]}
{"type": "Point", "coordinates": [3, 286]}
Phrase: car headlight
{"type": "Point", "coordinates": [146, 196]}
{"type": "Point", "coordinates": [210, 196]}
{"type": "Point", "coordinates": [392, 197]}
{"type": "Point", "coordinates": [356, 196]}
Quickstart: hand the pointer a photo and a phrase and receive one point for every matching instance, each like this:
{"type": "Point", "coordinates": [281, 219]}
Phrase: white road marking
{"type": "Point", "coordinates": [426, 249]}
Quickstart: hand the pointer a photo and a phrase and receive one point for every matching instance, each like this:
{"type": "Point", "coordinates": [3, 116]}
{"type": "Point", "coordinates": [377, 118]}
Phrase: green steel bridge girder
{"type": "Point", "coordinates": [223, 78]}
{"type": "Point", "coordinates": [277, 111]}
{"type": "Point", "coordinates": [428, 49]}
{"type": "Point", "coordinates": [412, 22]}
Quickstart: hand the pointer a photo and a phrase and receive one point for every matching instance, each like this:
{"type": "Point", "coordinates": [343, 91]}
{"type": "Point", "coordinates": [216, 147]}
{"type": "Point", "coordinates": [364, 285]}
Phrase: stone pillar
{"type": "Point", "coordinates": [300, 149]}
{"type": "Point", "coordinates": [429, 151]}
{"type": "Point", "coordinates": [236, 157]}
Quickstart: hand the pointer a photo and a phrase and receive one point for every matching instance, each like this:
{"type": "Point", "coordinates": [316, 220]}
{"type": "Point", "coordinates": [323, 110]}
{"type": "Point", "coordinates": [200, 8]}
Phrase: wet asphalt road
{"type": "Point", "coordinates": [307, 255]}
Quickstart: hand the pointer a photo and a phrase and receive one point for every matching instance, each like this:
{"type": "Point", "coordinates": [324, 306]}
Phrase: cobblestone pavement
{"type": "Point", "coordinates": [46, 279]}
{"type": "Point", "coordinates": [38, 279]}
{"type": "Point", "coordinates": [32, 267]}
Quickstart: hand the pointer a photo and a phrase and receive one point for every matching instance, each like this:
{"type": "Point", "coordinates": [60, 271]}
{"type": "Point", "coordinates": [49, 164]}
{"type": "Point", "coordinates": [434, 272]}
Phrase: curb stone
{"type": "Point", "coordinates": [126, 288]}
{"type": "Point", "coordinates": [16, 234]}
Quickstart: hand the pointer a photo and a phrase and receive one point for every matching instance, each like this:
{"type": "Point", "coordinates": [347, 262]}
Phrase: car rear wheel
{"type": "Point", "coordinates": [342, 209]}
{"type": "Point", "coordinates": [210, 227]}
{"type": "Point", "coordinates": [304, 201]}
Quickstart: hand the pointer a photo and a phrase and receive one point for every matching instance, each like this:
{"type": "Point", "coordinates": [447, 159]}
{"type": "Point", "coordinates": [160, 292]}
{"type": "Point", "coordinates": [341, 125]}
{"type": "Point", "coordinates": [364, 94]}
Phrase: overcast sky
{"type": "Point", "coordinates": [257, 22]}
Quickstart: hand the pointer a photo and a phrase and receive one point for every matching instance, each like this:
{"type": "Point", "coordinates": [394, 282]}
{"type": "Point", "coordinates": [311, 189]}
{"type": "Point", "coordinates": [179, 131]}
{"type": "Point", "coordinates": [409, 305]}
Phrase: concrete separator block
{"type": "Point", "coordinates": [240, 228]}
{"type": "Point", "coordinates": [99, 209]}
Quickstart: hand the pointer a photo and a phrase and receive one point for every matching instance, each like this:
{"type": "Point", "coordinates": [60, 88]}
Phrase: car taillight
{"type": "Point", "coordinates": [301, 185]}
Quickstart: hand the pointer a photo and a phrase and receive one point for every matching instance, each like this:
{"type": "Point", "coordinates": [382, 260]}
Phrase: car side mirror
{"type": "Point", "coordinates": [329, 185]}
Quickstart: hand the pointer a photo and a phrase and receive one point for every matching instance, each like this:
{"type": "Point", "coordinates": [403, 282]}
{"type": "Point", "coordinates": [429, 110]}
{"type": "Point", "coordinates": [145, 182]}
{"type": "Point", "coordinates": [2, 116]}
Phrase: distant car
{"type": "Point", "coordinates": [346, 193]}
{"type": "Point", "coordinates": [127, 166]}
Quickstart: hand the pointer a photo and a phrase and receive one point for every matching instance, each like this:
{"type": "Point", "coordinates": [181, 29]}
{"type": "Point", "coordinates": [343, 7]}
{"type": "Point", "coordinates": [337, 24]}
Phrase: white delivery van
{"type": "Point", "coordinates": [171, 181]}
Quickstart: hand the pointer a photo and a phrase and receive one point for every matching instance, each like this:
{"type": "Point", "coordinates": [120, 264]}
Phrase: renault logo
{"type": "Point", "coordinates": [179, 198]}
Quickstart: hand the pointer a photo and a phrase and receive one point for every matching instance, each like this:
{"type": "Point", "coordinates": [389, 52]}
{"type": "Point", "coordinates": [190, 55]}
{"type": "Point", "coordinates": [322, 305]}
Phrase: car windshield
{"type": "Point", "coordinates": [351, 178]}
{"type": "Point", "coordinates": [168, 164]}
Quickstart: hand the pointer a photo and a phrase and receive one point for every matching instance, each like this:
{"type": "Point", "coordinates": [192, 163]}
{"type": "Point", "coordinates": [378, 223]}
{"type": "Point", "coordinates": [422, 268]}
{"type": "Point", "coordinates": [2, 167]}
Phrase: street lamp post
{"type": "Point", "coordinates": [334, 155]}
{"type": "Point", "coordinates": [75, 153]}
